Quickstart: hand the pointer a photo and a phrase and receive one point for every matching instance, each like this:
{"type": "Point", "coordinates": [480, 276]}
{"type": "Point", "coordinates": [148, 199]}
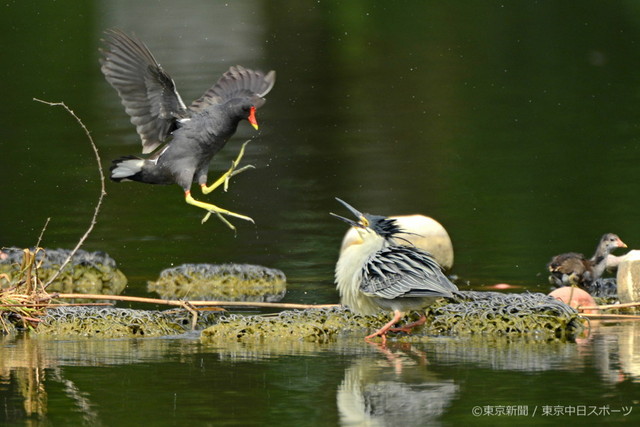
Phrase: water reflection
{"type": "Point", "coordinates": [393, 387]}
{"type": "Point", "coordinates": [613, 348]}
{"type": "Point", "coordinates": [401, 384]}
{"type": "Point", "coordinates": [30, 367]}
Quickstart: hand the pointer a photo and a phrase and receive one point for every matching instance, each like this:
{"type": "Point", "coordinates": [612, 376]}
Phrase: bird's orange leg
{"type": "Point", "coordinates": [382, 332]}
{"type": "Point", "coordinates": [224, 179]}
{"type": "Point", "coordinates": [407, 328]}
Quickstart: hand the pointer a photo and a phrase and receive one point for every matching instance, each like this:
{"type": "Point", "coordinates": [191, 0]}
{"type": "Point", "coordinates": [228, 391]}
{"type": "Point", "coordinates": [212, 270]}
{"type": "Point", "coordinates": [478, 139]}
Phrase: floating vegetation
{"type": "Point", "coordinates": [22, 295]}
{"type": "Point", "coordinates": [87, 272]}
{"type": "Point", "coordinates": [16, 308]}
{"type": "Point", "coordinates": [224, 282]}
{"type": "Point", "coordinates": [314, 325]}
{"type": "Point", "coordinates": [495, 313]}
{"type": "Point", "coordinates": [107, 322]}
{"type": "Point", "coordinates": [475, 313]}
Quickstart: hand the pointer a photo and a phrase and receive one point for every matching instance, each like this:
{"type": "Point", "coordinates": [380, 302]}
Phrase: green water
{"type": "Point", "coordinates": [176, 381]}
{"type": "Point", "coordinates": [515, 124]}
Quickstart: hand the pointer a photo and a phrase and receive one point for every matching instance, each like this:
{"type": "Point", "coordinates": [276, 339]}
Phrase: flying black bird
{"type": "Point", "coordinates": [180, 140]}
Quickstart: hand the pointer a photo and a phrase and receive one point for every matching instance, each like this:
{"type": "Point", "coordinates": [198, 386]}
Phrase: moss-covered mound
{"type": "Point", "coordinates": [86, 273]}
{"type": "Point", "coordinates": [496, 313]}
{"type": "Point", "coordinates": [99, 322]}
{"type": "Point", "coordinates": [224, 282]}
{"type": "Point", "coordinates": [475, 313]}
{"type": "Point", "coordinates": [489, 314]}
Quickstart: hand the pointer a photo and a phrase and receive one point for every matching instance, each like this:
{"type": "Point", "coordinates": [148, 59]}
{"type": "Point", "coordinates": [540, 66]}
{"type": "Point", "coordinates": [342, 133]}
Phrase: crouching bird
{"type": "Point", "coordinates": [180, 140]}
{"type": "Point", "coordinates": [378, 273]}
{"type": "Point", "coordinates": [573, 269]}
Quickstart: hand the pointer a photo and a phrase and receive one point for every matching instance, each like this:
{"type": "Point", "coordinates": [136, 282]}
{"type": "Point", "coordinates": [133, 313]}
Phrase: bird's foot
{"type": "Point", "coordinates": [409, 327]}
{"type": "Point", "coordinates": [220, 214]}
{"type": "Point", "coordinates": [213, 209]}
{"type": "Point", "coordinates": [226, 177]}
{"type": "Point", "coordinates": [380, 333]}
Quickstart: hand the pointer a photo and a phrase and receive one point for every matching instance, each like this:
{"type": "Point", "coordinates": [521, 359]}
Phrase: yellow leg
{"type": "Point", "coordinates": [214, 209]}
{"type": "Point", "coordinates": [224, 179]}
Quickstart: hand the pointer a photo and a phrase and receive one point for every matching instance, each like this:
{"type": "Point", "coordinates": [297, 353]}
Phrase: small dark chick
{"type": "Point", "coordinates": [573, 269]}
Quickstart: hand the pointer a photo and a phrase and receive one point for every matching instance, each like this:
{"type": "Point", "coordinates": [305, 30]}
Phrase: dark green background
{"type": "Point", "coordinates": [513, 123]}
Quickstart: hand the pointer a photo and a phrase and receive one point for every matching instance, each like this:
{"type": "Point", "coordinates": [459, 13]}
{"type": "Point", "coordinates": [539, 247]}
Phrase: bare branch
{"type": "Point", "coordinates": [42, 232]}
{"type": "Point", "coordinates": [194, 303]}
{"type": "Point", "coordinates": [103, 192]}
{"type": "Point", "coordinates": [615, 306]}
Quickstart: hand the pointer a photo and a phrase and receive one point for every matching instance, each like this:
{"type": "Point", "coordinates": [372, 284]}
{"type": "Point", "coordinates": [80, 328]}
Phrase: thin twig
{"type": "Point", "coordinates": [103, 192]}
{"type": "Point", "coordinates": [37, 248]}
{"type": "Point", "coordinates": [50, 305]}
{"type": "Point", "coordinates": [194, 313]}
{"type": "Point", "coordinates": [610, 316]}
{"type": "Point", "coordinates": [42, 232]}
{"type": "Point", "coordinates": [604, 307]}
{"type": "Point", "coordinates": [123, 298]}
{"type": "Point", "coordinates": [194, 303]}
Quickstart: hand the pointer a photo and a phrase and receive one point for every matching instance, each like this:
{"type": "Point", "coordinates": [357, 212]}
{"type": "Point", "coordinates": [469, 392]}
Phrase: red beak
{"type": "Point", "coordinates": [252, 118]}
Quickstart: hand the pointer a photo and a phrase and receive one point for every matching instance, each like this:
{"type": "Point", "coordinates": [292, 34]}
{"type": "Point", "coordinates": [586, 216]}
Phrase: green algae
{"type": "Point", "coordinates": [86, 273]}
{"type": "Point", "coordinates": [494, 313]}
{"type": "Point", "coordinates": [312, 325]}
{"type": "Point", "coordinates": [224, 282]}
{"type": "Point", "coordinates": [107, 322]}
{"type": "Point", "coordinates": [473, 313]}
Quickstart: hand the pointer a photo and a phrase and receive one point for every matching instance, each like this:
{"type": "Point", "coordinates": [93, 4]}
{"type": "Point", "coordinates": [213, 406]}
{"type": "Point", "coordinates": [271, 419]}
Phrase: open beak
{"type": "Point", "coordinates": [252, 118]}
{"type": "Point", "coordinates": [353, 210]}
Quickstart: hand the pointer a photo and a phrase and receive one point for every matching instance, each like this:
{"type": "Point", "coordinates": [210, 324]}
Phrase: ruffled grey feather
{"type": "Point", "coordinates": [399, 271]}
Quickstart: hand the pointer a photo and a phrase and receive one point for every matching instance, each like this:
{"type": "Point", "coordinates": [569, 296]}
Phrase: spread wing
{"type": "Point", "coordinates": [399, 271]}
{"type": "Point", "coordinates": [237, 82]}
{"type": "Point", "coordinates": [147, 92]}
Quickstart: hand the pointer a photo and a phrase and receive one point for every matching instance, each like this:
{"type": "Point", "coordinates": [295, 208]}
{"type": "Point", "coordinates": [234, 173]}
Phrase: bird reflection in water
{"type": "Point", "coordinates": [393, 388]}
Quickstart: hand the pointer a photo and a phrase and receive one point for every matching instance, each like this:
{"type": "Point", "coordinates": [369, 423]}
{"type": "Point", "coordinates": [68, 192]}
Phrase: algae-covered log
{"type": "Point", "coordinates": [475, 313]}
{"type": "Point", "coordinates": [87, 273]}
{"type": "Point", "coordinates": [224, 282]}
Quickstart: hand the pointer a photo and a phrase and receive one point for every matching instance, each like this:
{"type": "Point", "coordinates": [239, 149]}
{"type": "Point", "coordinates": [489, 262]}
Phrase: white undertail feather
{"type": "Point", "coordinates": [349, 273]}
{"type": "Point", "coordinates": [127, 168]}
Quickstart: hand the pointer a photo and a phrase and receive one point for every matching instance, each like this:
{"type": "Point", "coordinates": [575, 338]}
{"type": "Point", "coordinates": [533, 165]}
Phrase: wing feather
{"type": "Point", "coordinates": [237, 82]}
{"type": "Point", "coordinates": [399, 271]}
{"type": "Point", "coordinates": [147, 92]}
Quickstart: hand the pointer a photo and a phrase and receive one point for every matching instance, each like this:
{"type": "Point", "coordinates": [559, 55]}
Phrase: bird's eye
{"type": "Point", "coordinates": [364, 221]}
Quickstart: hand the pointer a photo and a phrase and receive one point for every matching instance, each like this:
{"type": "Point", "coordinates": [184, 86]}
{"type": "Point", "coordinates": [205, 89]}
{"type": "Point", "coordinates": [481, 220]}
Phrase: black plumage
{"type": "Point", "coordinates": [180, 140]}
